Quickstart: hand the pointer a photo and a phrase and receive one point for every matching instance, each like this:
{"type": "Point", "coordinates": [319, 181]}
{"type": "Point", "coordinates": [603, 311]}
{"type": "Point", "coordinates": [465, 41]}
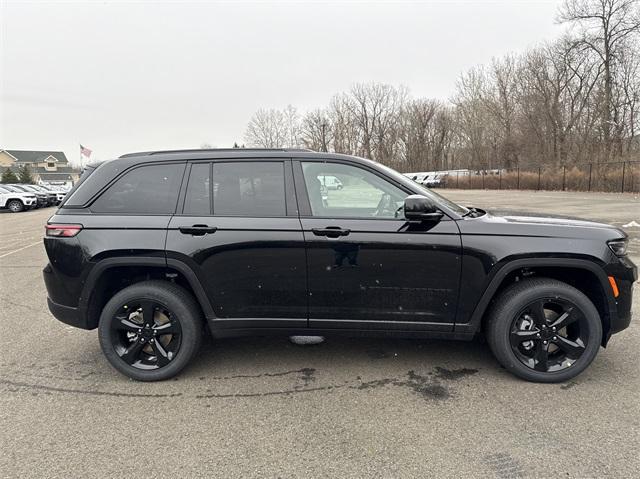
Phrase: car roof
{"type": "Point", "coordinates": [231, 153]}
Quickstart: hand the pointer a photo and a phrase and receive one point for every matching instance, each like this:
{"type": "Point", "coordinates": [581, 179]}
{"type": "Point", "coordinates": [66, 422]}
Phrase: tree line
{"type": "Point", "coordinates": [570, 101]}
{"type": "Point", "coordinates": [23, 175]}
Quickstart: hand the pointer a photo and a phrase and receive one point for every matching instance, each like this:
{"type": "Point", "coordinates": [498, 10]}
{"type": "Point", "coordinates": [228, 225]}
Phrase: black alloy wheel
{"type": "Point", "coordinates": [549, 335]}
{"type": "Point", "coordinates": [544, 330]}
{"type": "Point", "coordinates": [146, 334]}
{"type": "Point", "coordinates": [151, 330]}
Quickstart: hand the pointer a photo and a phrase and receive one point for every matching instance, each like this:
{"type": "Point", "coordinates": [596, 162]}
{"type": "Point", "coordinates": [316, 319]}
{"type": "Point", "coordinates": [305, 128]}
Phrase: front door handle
{"type": "Point", "coordinates": [330, 231]}
{"type": "Point", "coordinates": [197, 230]}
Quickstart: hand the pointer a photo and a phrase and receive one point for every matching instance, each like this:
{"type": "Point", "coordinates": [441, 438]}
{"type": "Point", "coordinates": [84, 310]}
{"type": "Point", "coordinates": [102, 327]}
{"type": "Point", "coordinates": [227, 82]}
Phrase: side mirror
{"type": "Point", "coordinates": [418, 208]}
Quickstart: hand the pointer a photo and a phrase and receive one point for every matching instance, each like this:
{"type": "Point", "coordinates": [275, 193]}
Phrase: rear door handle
{"type": "Point", "coordinates": [330, 231]}
{"type": "Point", "coordinates": [197, 230]}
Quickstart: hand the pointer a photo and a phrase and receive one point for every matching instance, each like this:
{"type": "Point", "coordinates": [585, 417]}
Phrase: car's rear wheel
{"type": "Point", "coordinates": [544, 330]}
{"type": "Point", "coordinates": [151, 330]}
{"type": "Point", "coordinates": [15, 206]}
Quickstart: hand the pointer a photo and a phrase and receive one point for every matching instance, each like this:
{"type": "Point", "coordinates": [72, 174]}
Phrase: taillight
{"type": "Point", "coordinates": [66, 231]}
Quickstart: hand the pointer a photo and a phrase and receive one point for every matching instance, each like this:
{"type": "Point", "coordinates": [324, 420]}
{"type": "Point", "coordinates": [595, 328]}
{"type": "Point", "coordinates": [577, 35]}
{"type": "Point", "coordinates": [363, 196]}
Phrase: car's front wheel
{"type": "Point", "coordinates": [151, 330]}
{"type": "Point", "coordinates": [544, 330]}
{"type": "Point", "coordinates": [15, 206]}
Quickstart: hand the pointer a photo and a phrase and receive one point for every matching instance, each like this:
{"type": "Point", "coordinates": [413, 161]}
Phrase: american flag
{"type": "Point", "coordinates": [85, 151]}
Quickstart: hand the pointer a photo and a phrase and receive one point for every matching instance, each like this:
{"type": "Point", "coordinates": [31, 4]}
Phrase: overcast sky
{"type": "Point", "coordinates": [128, 76]}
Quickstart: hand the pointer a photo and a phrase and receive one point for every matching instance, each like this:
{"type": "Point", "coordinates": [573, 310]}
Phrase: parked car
{"type": "Point", "coordinates": [16, 201]}
{"type": "Point", "coordinates": [148, 247]}
{"type": "Point", "coordinates": [60, 193]}
{"type": "Point", "coordinates": [330, 182]}
{"type": "Point", "coordinates": [52, 198]}
{"type": "Point", "coordinates": [433, 180]}
{"type": "Point", "coordinates": [42, 198]}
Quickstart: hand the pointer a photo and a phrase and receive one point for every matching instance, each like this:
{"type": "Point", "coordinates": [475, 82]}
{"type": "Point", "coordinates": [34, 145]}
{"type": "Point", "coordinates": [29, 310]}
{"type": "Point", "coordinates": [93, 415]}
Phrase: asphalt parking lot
{"type": "Point", "coordinates": [263, 407]}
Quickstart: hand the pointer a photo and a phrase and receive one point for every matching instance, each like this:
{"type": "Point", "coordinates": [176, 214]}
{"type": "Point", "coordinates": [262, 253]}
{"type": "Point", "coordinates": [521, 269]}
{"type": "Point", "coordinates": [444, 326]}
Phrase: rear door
{"type": "Point", "coordinates": [237, 228]}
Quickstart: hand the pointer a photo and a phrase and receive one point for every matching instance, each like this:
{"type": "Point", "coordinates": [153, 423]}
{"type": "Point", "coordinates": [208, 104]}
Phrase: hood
{"type": "Point", "coordinates": [546, 219]}
{"type": "Point", "coordinates": [515, 223]}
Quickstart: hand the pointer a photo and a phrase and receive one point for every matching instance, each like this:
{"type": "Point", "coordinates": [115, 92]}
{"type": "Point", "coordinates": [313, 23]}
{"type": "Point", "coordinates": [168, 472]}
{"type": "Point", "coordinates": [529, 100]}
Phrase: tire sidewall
{"type": "Point", "coordinates": [18, 208]}
{"type": "Point", "coordinates": [190, 330]}
{"type": "Point", "coordinates": [517, 298]}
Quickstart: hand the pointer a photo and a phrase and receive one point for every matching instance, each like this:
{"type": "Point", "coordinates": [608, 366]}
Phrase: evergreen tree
{"type": "Point", "coordinates": [8, 176]}
{"type": "Point", "coordinates": [24, 175]}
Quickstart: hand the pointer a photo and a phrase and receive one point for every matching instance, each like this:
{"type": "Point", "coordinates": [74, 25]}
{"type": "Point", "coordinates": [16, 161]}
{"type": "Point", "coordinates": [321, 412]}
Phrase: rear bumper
{"type": "Point", "coordinates": [68, 315]}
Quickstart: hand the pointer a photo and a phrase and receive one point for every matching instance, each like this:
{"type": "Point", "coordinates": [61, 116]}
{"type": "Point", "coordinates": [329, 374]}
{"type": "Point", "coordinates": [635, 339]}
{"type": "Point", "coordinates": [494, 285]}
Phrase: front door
{"type": "Point", "coordinates": [239, 232]}
{"type": "Point", "coordinates": [368, 268]}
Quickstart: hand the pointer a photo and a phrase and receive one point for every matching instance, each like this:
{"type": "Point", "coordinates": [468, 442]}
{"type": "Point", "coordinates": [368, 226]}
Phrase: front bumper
{"type": "Point", "coordinates": [625, 274]}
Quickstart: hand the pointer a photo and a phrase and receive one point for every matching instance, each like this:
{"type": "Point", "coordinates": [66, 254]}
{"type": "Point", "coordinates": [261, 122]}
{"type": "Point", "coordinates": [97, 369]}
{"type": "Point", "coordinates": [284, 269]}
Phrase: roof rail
{"type": "Point", "coordinates": [205, 150]}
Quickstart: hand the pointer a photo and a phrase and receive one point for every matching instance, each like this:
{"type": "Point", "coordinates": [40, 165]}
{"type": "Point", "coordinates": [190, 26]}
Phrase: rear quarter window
{"type": "Point", "coordinates": [145, 190]}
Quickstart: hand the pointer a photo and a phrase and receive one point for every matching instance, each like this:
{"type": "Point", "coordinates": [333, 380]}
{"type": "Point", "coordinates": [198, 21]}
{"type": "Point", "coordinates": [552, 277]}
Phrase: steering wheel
{"type": "Point", "coordinates": [386, 206]}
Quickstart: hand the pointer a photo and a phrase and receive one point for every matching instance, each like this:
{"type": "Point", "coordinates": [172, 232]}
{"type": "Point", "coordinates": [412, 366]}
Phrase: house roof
{"type": "Point", "coordinates": [26, 156]}
{"type": "Point", "coordinates": [40, 169]}
{"type": "Point", "coordinates": [54, 176]}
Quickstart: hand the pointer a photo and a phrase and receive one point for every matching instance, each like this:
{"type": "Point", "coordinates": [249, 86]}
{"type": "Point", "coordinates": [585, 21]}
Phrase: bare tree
{"type": "Point", "coordinates": [604, 26]}
{"type": "Point", "coordinates": [316, 130]}
{"type": "Point", "coordinates": [375, 109]}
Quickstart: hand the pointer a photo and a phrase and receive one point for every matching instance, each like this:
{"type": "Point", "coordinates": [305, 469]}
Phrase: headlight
{"type": "Point", "coordinates": [619, 246]}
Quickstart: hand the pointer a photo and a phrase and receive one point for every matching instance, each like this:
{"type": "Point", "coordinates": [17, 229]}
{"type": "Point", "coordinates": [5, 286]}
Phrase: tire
{"type": "Point", "coordinates": [120, 341]}
{"type": "Point", "coordinates": [519, 339]}
{"type": "Point", "coordinates": [15, 206]}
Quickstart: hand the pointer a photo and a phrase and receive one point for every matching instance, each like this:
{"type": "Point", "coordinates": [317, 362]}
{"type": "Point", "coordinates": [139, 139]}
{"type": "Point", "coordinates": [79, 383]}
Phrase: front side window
{"type": "Point", "coordinates": [337, 190]}
{"type": "Point", "coordinates": [249, 189]}
{"type": "Point", "coordinates": [197, 201]}
{"type": "Point", "coordinates": [151, 189]}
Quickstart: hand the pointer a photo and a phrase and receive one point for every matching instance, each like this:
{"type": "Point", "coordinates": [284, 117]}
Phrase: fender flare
{"type": "Point", "coordinates": [573, 263]}
{"type": "Point", "coordinates": [157, 262]}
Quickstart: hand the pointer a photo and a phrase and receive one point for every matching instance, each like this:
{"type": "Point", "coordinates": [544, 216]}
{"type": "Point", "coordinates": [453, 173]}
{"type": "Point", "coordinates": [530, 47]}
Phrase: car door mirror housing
{"type": "Point", "coordinates": [419, 208]}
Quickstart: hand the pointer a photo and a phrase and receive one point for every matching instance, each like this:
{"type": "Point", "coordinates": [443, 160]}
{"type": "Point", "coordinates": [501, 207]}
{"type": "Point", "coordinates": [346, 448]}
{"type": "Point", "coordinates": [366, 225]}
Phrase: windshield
{"type": "Point", "coordinates": [435, 197]}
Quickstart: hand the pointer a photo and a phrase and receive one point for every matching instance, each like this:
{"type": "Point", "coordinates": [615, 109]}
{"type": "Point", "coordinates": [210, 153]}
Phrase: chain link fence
{"type": "Point", "coordinates": [620, 177]}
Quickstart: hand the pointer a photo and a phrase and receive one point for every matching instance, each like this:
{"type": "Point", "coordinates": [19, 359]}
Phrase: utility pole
{"type": "Point", "coordinates": [324, 137]}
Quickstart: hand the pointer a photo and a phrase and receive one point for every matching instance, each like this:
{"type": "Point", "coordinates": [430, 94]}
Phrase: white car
{"type": "Point", "coordinates": [16, 201]}
{"type": "Point", "coordinates": [330, 182]}
{"type": "Point", "coordinates": [59, 192]}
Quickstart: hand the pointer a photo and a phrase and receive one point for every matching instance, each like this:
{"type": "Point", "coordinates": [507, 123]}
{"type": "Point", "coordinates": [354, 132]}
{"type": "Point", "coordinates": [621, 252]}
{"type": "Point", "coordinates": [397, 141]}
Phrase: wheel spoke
{"type": "Point", "coordinates": [132, 352]}
{"type": "Point", "coordinates": [161, 354]}
{"type": "Point", "coordinates": [565, 319]}
{"type": "Point", "coordinates": [541, 357]}
{"type": "Point", "coordinates": [148, 312]}
{"type": "Point", "coordinates": [518, 337]}
{"type": "Point", "coordinates": [166, 328]}
{"type": "Point", "coordinates": [537, 312]}
{"type": "Point", "coordinates": [124, 323]}
{"type": "Point", "coordinates": [572, 349]}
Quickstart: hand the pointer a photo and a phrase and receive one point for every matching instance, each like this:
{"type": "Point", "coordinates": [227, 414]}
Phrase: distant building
{"type": "Point", "coordinates": [46, 166]}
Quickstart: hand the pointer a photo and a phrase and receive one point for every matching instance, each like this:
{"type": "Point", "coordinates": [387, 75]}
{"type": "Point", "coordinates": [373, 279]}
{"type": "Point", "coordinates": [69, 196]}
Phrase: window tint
{"type": "Point", "coordinates": [197, 200]}
{"type": "Point", "coordinates": [149, 189]}
{"type": "Point", "coordinates": [338, 190]}
{"type": "Point", "coordinates": [249, 189]}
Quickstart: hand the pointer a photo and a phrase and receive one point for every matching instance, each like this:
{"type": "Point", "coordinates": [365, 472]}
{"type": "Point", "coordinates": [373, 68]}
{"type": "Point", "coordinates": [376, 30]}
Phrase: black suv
{"type": "Point", "coordinates": [150, 247]}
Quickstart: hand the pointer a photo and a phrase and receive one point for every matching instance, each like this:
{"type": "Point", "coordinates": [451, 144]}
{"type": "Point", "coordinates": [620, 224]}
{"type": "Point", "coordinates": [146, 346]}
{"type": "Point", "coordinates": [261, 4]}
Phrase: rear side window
{"type": "Point", "coordinates": [197, 201]}
{"type": "Point", "coordinates": [151, 189]}
{"type": "Point", "coordinates": [249, 189]}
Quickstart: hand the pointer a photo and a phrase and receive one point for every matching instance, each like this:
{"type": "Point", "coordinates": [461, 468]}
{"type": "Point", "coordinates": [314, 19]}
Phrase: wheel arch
{"type": "Point", "coordinates": [111, 275]}
{"type": "Point", "coordinates": [592, 281]}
